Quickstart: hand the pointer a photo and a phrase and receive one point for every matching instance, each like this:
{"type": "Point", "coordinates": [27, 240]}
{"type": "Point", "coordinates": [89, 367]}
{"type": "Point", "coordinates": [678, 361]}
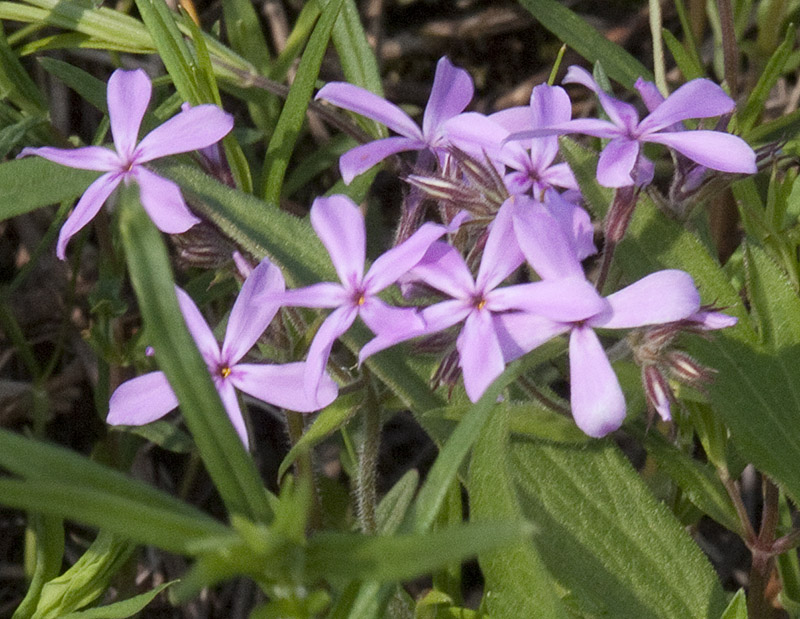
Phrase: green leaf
{"type": "Point", "coordinates": [46, 533]}
{"type": "Point", "coordinates": [393, 507]}
{"type": "Point", "coordinates": [34, 182]}
{"type": "Point", "coordinates": [774, 303]}
{"type": "Point", "coordinates": [121, 610]}
{"type": "Point", "coordinates": [737, 609]}
{"type": "Point", "coordinates": [343, 556]}
{"type": "Point", "coordinates": [86, 85]}
{"type": "Point", "coordinates": [606, 539]}
{"type": "Point", "coordinates": [583, 162]}
{"type": "Point", "coordinates": [291, 119]}
{"type": "Point", "coordinates": [87, 579]}
{"type": "Point", "coordinates": [687, 63]}
{"type": "Point", "coordinates": [163, 434]}
{"type": "Point", "coordinates": [15, 83]}
{"type": "Point", "coordinates": [587, 41]}
{"type": "Point", "coordinates": [517, 582]}
{"type": "Point", "coordinates": [228, 464]}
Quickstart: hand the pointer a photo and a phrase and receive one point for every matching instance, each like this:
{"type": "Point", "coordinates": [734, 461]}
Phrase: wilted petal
{"type": "Point", "coordinates": [283, 386]}
{"type": "Point", "coordinates": [443, 268]}
{"type": "Point", "coordinates": [85, 158]}
{"type": "Point", "coordinates": [194, 128]}
{"type": "Point", "coordinates": [329, 331]}
{"type": "Point", "coordinates": [162, 200]}
{"type": "Point", "coordinates": [324, 294]}
{"type": "Point", "coordinates": [563, 300]}
{"type": "Point", "coordinates": [543, 242]}
{"type": "Point", "coordinates": [231, 403]}
{"type": "Point", "coordinates": [480, 356]}
{"type": "Point", "coordinates": [451, 93]}
{"type": "Point", "coordinates": [361, 158]}
{"type": "Point", "coordinates": [615, 167]}
{"type": "Point", "coordinates": [598, 404]}
{"type": "Point", "coordinates": [501, 255]}
{"type": "Point", "coordinates": [86, 208]}
{"type": "Point", "coordinates": [664, 296]}
{"type": "Point", "coordinates": [141, 400]}
{"type": "Point", "coordinates": [366, 103]}
{"type": "Point", "coordinates": [340, 226]}
{"type": "Point", "coordinates": [713, 149]}
{"type": "Point", "coordinates": [128, 97]}
{"type": "Point", "coordinates": [198, 327]}
{"type": "Point", "coordinates": [397, 261]}
{"type": "Point", "coordinates": [700, 98]}
{"type": "Point", "coordinates": [253, 310]}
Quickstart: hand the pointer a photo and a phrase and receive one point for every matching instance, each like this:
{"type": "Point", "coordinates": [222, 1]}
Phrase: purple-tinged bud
{"type": "Point", "coordinates": [686, 370]}
{"type": "Point", "coordinates": [619, 214]}
{"type": "Point", "coordinates": [657, 391]}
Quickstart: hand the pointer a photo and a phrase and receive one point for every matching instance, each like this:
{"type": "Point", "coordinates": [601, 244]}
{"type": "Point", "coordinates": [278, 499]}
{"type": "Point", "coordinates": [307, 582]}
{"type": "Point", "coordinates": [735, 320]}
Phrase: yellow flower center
{"type": "Point", "coordinates": [225, 371]}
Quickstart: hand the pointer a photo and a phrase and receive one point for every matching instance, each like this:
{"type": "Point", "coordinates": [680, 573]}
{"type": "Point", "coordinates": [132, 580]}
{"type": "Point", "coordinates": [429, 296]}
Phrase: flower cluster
{"type": "Point", "coordinates": [527, 255]}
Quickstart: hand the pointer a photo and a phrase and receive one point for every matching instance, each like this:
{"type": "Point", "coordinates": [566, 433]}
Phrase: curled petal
{"type": "Point", "coordinates": [197, 127]}
{"type": "Point", "coordinates": [708, 320]}
{"type": "Point", "coordinates": [162, 200]}
{"type": "Point", "coordinates": [86, 158]}
{"type": "Point", "coordinates": [712, 149]}
{"type": "Point", "coordinates": [329, 331]}
{"type": "Point", "coordinates": [283, 386]}
{"type": "Point", "coordinates": [340, 226]}
{"type": "Point", "coordinates": [451, 93]}
{"type": "Point", "coordinates": [366, 103]}
{"type": "Point", "coordinates": [700, 98]}
{"type": "Point", "coordinates": [88, 206]}
{"type": "Point", "coordinates": [141, 400]}
{"type": "Point", "coordinates": [664, 296]}
{"type": "Point", "coordinates": [198, 327]}
{"type": "Point", "coordinates": [253, 310]}
{"type": "Point", "coordinates": [388, 267]}
{"type": "Point", "coordinates": [617, 161]}
{"type": "Point", "coordinates": [361, 158]}
{"type": "Point", "coordinates": [128, 97]}
{"type": "Point", "coordinates": [231, 403]}
{"type": "Point", "coordinates": [480, 355]}
{"type": "Point", "coordinates": [598, 404]}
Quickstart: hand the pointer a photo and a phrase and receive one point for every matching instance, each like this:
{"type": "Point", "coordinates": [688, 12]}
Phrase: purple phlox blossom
{"type": "Point", "coordinates": [532, 162]}
{"type": "Point", "coordinates": [598, 404]}
{"type": "Point", "coordinates": [128, 97]}
{"type": "Point", "coordinates": [451, 93]}
{"type": "Point", "coordinates": [340, 226]}
{"type": "Point", "coordinates": [483, 345]}
{"type": "Point", "coordinates": [149, 397]}
{"type": "Point", "coordinates": [622, 163]}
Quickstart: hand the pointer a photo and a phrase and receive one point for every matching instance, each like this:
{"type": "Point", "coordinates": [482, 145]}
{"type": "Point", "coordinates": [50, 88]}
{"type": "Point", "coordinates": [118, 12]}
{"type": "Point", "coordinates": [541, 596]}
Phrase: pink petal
{"type": "Point", "coordinates": [141, 400]}
{"type": "Point", "coordinates": [480, 355]}
{"type": "Point", "coordinates": [361, 158]}
{"type": "Point", "coordinates": [598, 404]}
{"type": "Point", "coordinates": [620, 113]}
{"type": "Point", "coordinates": [588, 126]}
{"type": "Point", "coordinates": [190, 130]}
{"type": "Point", "coordinates": [710, 320]}
{"type": "Point", "coordinates": [475, 134]}
{"type": "Point", "coordinates": [86, 208]}
{"type": "Point", "coordinates": [340, 226]}
{"type": "Point", "coordinates": [502, 255]}
{"type": "Point", "coordinates": [513, 118]}
{"type": "Point", "coordinates": [397, 261]}
{"type": "Point", "coordinates": [86, 158]}
{"type": "Point", "coordinates": [564, 300]}
{"type": "Point", "coordinates": [324, 294]}
{"type": "Point", "coordinates": [128, 97]}
{"type": "Point", "coordinates": [451, 93]}
{"type": "Point", "coordinates": [713, 149]}
{"type": "Point", "coordinates": [650, 94]}
{"type": "Point", "coordinates": [283, 386]}
{"type": "Point", "coordinates": [252, 311]}
{"type": "Point", "coordinates": [543, 242]}
{"type": "Point", "coordinates": [615, 167]}
{"type": "Point", "coordinates": [664, 296]}
{"type": "Point", "coordinates": [372, 106]}
{"type": "Point", "coordinates": [198, 327]}
{"type": "Point", "coordinates": [162, 200]}
{"type": "Point", "coordinates": [521, 332]}
{"type": "Point", "coordinates": [574, 221]}
{"type": "Point", "coordinates": [329, 331]}
{"type": "Point", "coordinates": [559, 175]}
{"type": "Point", "coordinates": [444, 269]}
{"type": "Point", "coordinates": [700, 98]}
{"type": "Point", "coordinates": [550, 105]}
{"type": "Point", "coordinates": [231, 403]}
{"type": "Point", "coordinates": [380, 317]}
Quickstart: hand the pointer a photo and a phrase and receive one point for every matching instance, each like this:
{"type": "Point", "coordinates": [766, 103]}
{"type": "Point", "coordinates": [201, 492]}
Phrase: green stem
{"type": "Point", "coordinates": [304, 465]}
{"type": "Point", "coordinates": [366, 482]}
{"type": "Point", "coordinates": [730, 51]}
{"type": "Point", "coordinates": [658, 46]}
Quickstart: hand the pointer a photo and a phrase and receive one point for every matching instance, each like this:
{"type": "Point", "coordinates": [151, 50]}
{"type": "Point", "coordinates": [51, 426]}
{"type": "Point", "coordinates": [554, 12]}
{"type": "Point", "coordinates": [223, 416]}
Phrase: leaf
{"type": "Point", "coordinates": [121, 610]}
{"type": "Point", "coordinates": [293, 114]}
{"type": "Point", "coordinates": [686, 62]}
{"type": "Point", "coordinates": [229, 465]}
{"type": "Point", "coordinates": [46, 535]}
{"type": "Point", "coordinates": [87, 579]}
{"type": "Point", "coordinates": [517, 582]}
{"type": "Point", "coordinates": [737, 609]}
{"type": "Point", "coordinates": [34, 182]}
{"type": "Point", "coordinates": [606, 539]}
{"type": "Point", "coordinates": [87, 86]}
{"type": "Point", "coordinates": [163, 434]}
{"type": "Point", "coordinates": [15, 83]}
{"type": "Point", "coordinates": [393, 507]}
{"type": "Point", "coordinates": [583, 162]}
{"type": "Point", "coordinates": [588, 42]}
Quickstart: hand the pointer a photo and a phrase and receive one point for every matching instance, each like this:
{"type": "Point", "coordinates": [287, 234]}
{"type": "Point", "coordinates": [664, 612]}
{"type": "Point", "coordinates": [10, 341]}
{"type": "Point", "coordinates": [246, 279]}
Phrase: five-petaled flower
{"type": "Point", "coordinates": [128, 97]}
{"type": "Point", "coordinates": [149, 397]}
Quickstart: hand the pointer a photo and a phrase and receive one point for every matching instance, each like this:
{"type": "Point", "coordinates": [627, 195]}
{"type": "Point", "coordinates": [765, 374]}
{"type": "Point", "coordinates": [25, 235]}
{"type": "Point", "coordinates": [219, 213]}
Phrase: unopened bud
{"type": "Point", "coordinates": [657, 391]}
{"type": "Point", "coordinates": [687, 370]}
